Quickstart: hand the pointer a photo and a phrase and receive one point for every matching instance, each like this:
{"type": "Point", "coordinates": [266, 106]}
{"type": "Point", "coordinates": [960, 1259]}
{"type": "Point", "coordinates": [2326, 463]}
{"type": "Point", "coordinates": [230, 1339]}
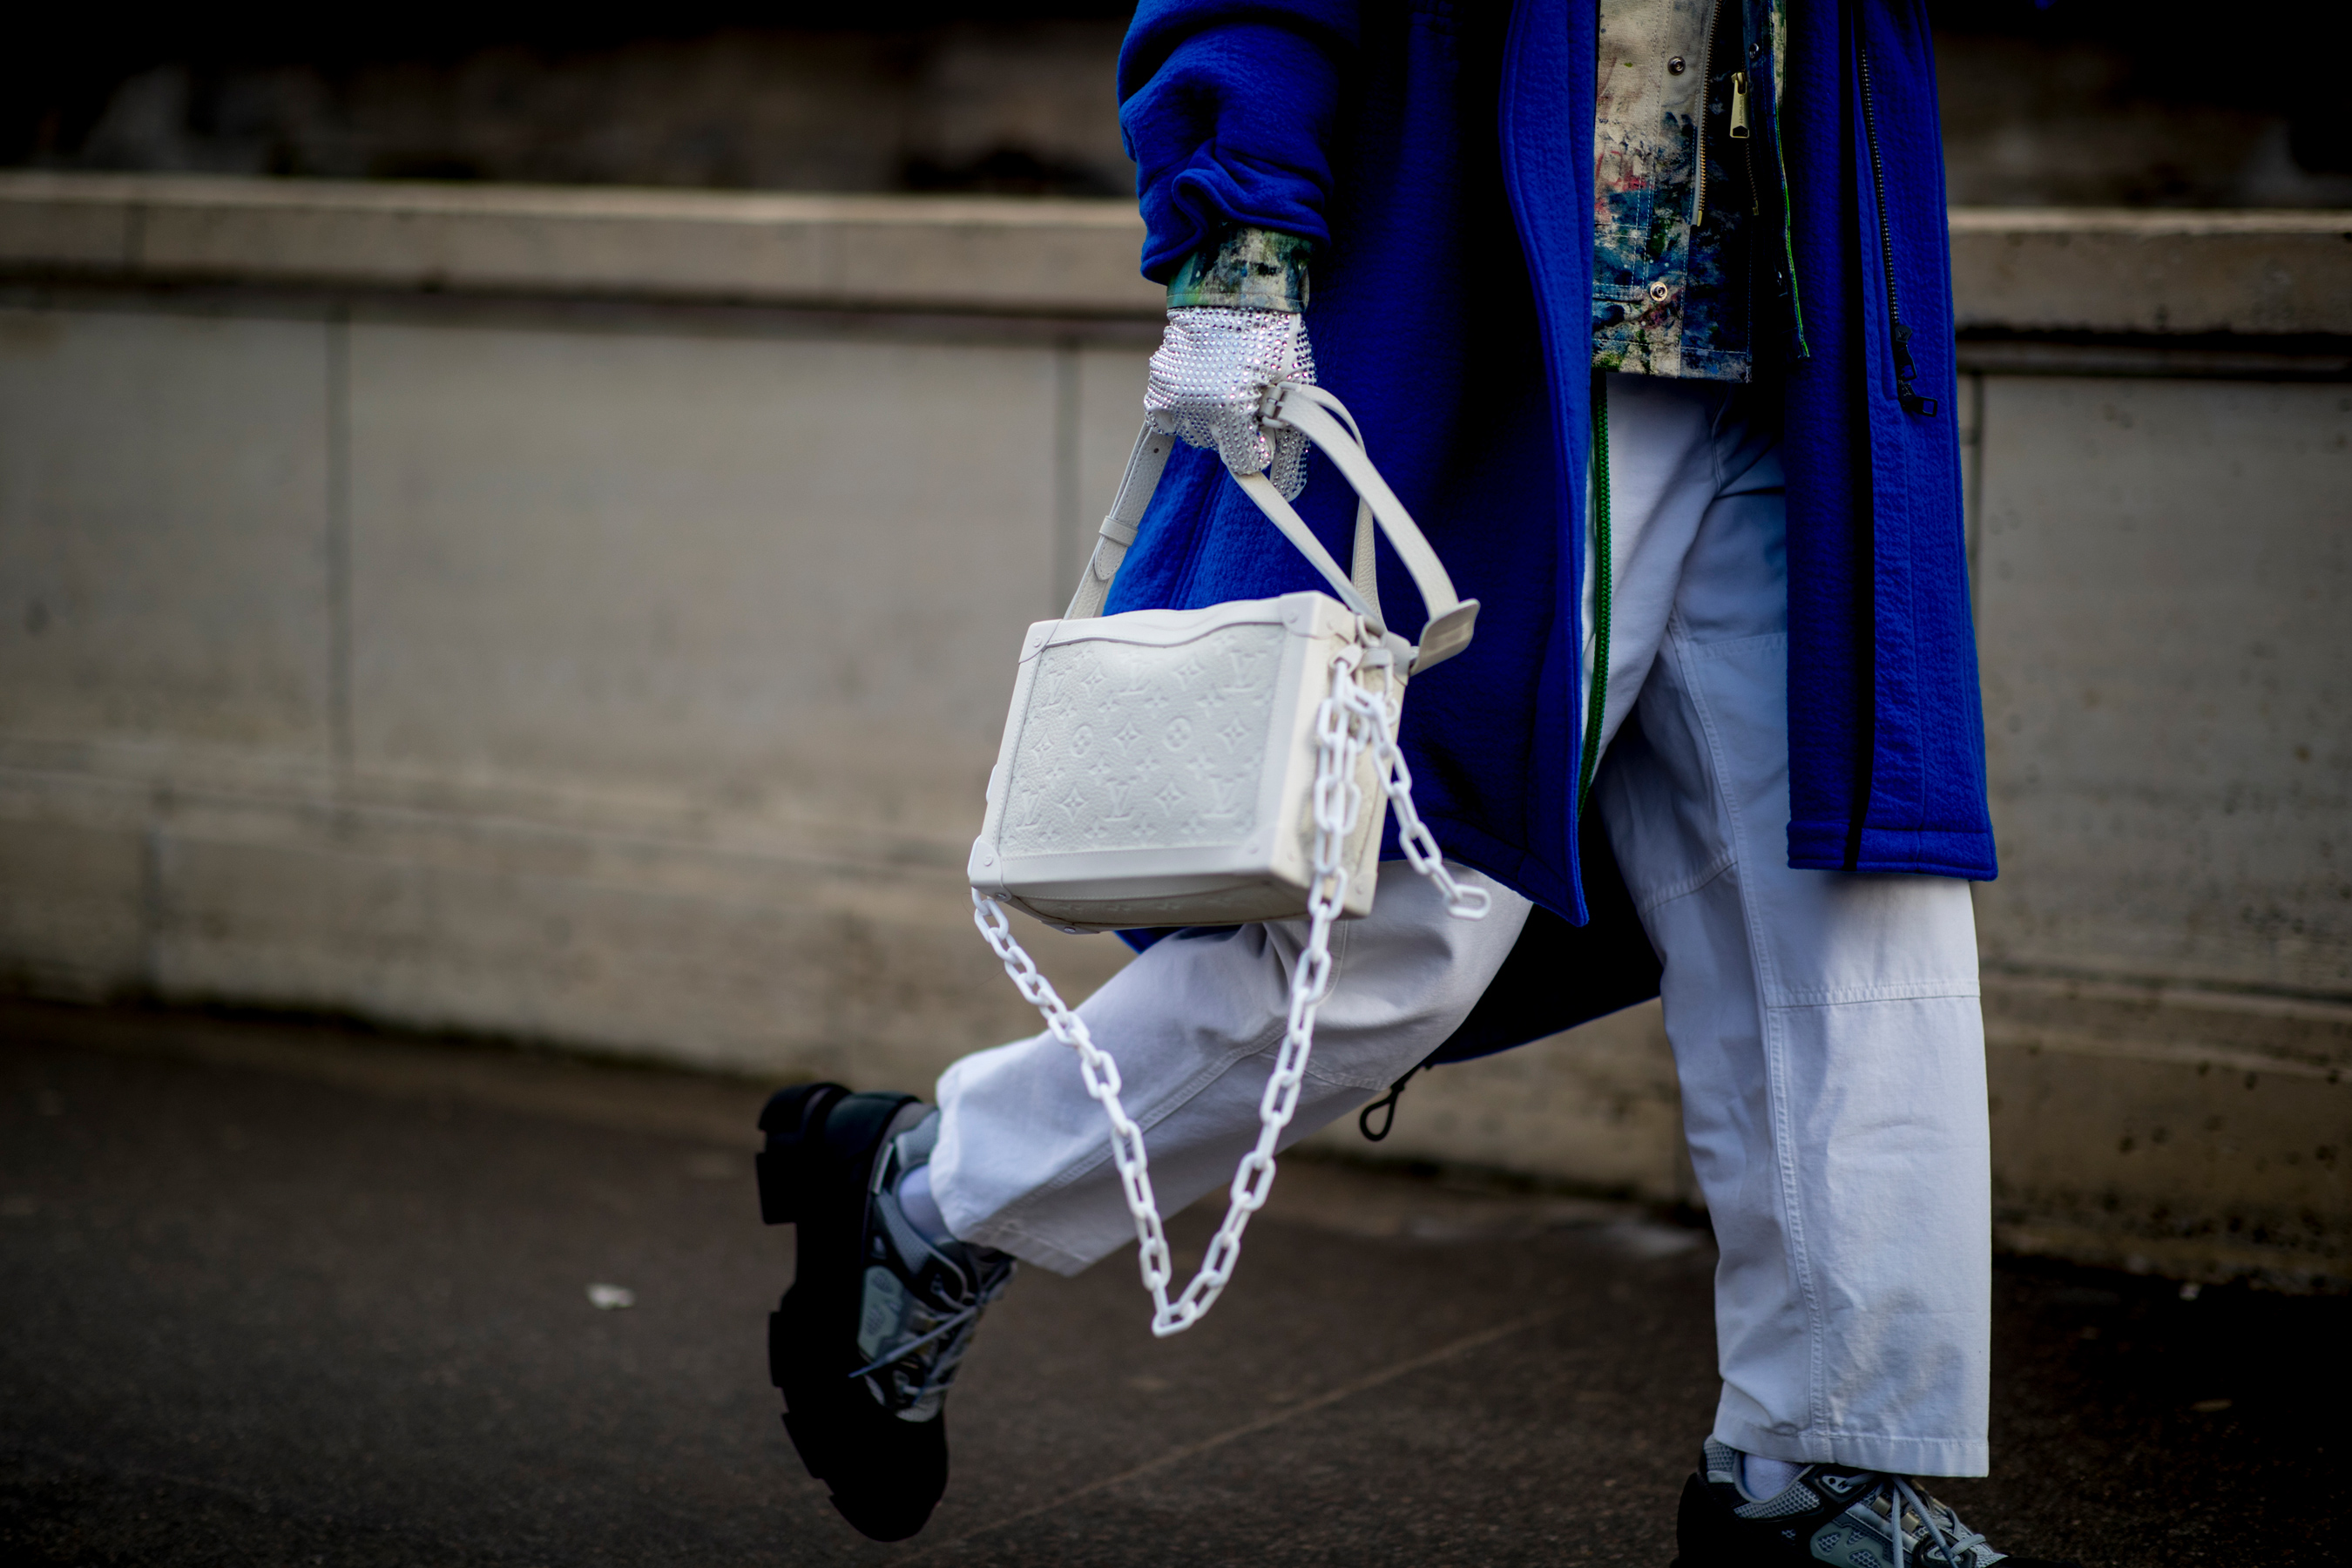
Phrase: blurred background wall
{"type": "Point", "coordinates": [2045, 102]}
{"type": "Point", "coordinates": [519, 528]}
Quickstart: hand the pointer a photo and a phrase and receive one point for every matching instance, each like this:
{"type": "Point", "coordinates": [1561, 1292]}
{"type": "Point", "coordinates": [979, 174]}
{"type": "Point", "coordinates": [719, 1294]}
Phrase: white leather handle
{"type": "Point", "coordinates": [1116, 535]}
{"type": "Point", "coordinates": [1452, 620]}
{"type": "Point", "coordinates": [1325, 420]}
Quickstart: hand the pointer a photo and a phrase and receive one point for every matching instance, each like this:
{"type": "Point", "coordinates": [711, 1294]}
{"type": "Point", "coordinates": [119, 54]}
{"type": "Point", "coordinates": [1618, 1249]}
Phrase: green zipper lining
{"type": "Point", "coordinates": [1597, 701]}
{"type": "Point", "coordinates": [1781, 167]}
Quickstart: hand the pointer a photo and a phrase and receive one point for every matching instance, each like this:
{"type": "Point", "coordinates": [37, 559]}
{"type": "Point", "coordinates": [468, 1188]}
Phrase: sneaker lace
{"type": "Point", "coordinates": [1895, 1494]}
{"type": "Point", "coordinates": [956, 1329]}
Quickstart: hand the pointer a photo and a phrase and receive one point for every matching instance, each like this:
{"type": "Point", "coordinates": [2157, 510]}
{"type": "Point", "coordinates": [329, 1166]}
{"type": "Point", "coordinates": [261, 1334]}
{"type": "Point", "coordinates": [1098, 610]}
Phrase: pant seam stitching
{"type": "Point", "coordinates": [1676, 645]}
{"type": "Point", "coordinates": [1917, 991]}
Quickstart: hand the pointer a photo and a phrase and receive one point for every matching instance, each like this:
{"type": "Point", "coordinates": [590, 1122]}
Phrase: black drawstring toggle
{"type": "Point", "coordinates": [1386, 1102]}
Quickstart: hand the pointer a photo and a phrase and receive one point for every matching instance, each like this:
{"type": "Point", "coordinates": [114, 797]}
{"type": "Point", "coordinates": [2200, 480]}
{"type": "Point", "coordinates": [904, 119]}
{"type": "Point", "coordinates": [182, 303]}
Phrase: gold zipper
{"type": "Point", "coordinates": [1706, 70]}
{"type": "Point", "coordinates": [1738, 131]}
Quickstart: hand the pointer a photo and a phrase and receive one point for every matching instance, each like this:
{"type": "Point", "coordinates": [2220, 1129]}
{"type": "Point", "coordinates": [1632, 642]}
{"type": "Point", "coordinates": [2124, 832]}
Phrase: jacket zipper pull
{"type": "Point", "coordinates": [1738, 131]}
{"type": "Point", "coordinates": [1905, 373]}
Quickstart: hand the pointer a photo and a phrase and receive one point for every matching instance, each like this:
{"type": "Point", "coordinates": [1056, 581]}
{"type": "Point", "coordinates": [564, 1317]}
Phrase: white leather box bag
{"type": "Point", "coordinates": [1212, 767]}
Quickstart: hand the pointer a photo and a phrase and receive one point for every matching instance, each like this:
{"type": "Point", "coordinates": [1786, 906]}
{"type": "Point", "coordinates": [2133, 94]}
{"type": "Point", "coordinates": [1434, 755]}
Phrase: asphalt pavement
{"type": "Point", "coordinates": [290, 1294]}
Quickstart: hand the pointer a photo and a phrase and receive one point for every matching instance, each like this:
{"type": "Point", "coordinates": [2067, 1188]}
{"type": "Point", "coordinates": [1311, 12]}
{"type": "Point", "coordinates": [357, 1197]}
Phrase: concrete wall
{"type": "Point", "coordinates": [2040, 107]}
{"type": "Point", "coordinates": [586, 617]}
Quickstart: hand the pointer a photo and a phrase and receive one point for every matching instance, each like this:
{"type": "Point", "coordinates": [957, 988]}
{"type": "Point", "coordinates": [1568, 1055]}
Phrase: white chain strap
{"type": "Point", "coordinates": [1351, 719]}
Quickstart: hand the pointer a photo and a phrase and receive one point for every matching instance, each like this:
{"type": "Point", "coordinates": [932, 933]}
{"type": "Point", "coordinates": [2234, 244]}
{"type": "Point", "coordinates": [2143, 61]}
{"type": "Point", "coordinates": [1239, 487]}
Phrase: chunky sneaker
{"type": "Point", "coordinates": [1829, 1513]}
{"type": "Point", "coordinates": [867, 1340]}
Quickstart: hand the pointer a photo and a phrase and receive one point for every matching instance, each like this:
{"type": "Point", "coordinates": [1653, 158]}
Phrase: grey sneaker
{"type": "Point", "coordinates": [921, 1299]}
{"type": "Point", "coordinates": [1829, 1513]}
{"type": "Point", "coordinates": [868, 1338]}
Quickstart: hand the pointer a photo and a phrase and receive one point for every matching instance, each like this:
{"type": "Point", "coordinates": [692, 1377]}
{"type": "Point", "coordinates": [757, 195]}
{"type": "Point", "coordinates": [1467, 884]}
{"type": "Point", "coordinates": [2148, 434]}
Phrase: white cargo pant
{"type": "Point", "coordinates": [1825, 1026]}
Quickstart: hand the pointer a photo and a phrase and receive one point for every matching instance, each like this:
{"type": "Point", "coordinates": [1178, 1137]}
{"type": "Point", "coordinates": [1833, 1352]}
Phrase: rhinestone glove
{"type": "Point", "coordinates": [1209, 380]}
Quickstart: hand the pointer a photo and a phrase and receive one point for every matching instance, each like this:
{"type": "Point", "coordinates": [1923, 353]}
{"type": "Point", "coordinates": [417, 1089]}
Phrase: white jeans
{"type": "Point", "coordinates": [1825, 1026]}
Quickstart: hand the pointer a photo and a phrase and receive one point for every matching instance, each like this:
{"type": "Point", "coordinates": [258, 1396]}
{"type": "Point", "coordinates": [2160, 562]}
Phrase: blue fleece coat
{"type": "Point", "coordinates": [1439, 154]}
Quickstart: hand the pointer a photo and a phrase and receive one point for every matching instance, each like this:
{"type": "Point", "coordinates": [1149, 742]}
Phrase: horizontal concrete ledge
{"type": "Point", "coordinates": [2162, 274]}
{"type": "Point", "coordinates": [2152, 273]}
{"type": "Point", "coordinates": [2205, 357]}
{"type": "Point", "coordinates": [913, 253]}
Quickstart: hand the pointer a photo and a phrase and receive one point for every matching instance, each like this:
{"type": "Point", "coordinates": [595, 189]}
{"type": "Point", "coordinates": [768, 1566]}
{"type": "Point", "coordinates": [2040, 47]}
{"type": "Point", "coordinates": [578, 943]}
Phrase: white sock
{"type": "Point", "coordinates": [921, 1209]}
{"type": "Point", "coordinates": [1763, 1478]}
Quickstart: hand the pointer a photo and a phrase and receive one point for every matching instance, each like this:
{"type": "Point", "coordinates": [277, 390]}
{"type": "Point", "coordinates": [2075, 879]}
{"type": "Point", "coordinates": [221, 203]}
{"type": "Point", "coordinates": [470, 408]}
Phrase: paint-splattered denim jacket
{"type": "Point", "coordinates": [1689, 232]}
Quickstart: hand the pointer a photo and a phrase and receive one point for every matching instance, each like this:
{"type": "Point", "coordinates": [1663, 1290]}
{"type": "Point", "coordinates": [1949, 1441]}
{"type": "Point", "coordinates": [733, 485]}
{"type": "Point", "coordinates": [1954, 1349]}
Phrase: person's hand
{"type": "Point", "coordinates": [1209, 381]}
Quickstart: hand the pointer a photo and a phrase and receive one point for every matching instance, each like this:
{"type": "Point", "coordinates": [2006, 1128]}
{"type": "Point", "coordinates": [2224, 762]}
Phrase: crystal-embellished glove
{"type": "Point", "coordinates": [1237, 328]}
{"type": "Point", "coordinates": [1210, 378]}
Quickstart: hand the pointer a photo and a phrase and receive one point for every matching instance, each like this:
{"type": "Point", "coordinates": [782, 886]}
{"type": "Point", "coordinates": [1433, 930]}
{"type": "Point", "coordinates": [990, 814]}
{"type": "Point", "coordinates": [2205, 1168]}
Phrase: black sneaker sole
{"type": "Point", "coordinates": [886, 1475]}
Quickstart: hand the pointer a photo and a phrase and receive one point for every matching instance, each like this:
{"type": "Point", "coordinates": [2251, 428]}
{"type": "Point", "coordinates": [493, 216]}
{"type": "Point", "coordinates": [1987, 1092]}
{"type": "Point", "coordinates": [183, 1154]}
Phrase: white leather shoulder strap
{"type": "Point", "coordinates": [1325, 420]}
{"type": "Point", "coordinates": [1144, 465]}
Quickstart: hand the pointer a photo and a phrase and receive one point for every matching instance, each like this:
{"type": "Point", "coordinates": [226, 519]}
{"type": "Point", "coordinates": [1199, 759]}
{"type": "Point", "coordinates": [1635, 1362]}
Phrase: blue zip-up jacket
{"type": "Point", "coordinates": [1440, 155]}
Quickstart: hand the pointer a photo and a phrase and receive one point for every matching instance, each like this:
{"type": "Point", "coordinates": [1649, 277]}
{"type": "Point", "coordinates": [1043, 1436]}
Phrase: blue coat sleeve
{"type": "Point", "coordinates": [1228, 108]}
